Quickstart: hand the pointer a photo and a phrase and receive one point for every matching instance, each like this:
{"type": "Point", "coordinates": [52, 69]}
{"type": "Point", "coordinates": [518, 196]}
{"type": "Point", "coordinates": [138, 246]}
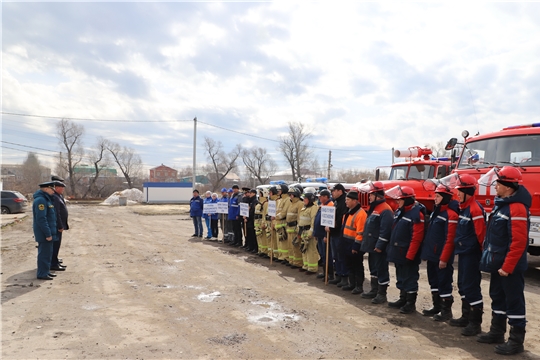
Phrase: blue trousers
{"type": "Point", "coordinates": [440, 279]}
{"type": "Point", "coordinates": [407, 276]}
{"type": "Point", "coordinates": [507, 298]}
{"type": "Point", "coordinates": [197, 223]}
{"type": "Point", "coordinates": [44, 256]}
{"type": "Point", "coordinates": [469, 278]}
{"type": "Point", "coordinates": [339, 263]}
{"type": "Point", "coordinates": [321, 246]}
{"type": "Point", "coordinates": [208, 222]}
{"type": "Point", "coordinates": [378, 267]}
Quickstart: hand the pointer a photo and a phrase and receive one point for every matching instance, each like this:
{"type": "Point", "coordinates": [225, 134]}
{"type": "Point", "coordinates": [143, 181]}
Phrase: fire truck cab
{"type": "Point", "coordinates": [517, 146]}
{"type": "Point", "coordinates": [418, 167]}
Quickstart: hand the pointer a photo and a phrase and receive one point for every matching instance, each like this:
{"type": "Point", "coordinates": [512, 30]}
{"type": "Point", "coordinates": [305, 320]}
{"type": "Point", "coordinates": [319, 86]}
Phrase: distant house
{"type": "Point", "coordinates": [163, 173]}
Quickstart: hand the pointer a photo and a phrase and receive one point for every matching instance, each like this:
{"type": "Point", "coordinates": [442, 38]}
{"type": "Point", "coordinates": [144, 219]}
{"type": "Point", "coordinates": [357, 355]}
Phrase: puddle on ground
{"type": "Point", "coordinates": [208, 297]}
{"type": "Point", "coordinates": [270, 313]}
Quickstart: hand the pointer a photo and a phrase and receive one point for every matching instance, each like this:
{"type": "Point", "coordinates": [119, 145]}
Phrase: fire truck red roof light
{"type": "Point", "coordinates": [522, 126]}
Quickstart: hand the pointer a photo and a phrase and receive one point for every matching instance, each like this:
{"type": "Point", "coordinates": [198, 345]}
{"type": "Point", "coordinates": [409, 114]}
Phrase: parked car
{"type": "Point", "coordinates": [13, 202]}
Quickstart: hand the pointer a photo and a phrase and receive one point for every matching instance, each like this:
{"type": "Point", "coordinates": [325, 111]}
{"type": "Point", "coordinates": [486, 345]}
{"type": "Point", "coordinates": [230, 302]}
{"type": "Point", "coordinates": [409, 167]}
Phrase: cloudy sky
{"type": "Point", "coordinates": [363, 77]}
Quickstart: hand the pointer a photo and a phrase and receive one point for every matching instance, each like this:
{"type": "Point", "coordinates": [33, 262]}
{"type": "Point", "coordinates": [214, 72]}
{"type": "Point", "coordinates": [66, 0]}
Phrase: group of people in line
{"type": "Point", "coordinates": [397, 229]}
{"type": "Point", "coordinates": [50, 220]}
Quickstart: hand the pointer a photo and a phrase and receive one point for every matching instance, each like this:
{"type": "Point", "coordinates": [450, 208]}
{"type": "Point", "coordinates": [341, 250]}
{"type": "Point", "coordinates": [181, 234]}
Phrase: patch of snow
{"type": "Point", "coordinates": [133, 196]}
{"type": "Point", "coordinates": [208, 297]}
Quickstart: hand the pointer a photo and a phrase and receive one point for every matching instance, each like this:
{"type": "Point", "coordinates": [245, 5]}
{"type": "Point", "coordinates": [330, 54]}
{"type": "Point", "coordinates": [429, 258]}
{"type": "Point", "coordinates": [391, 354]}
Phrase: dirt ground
{"type": "Point", "coordinates": [138, 287]}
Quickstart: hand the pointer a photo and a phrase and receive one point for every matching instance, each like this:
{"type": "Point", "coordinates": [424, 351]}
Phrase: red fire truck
{"type": "Point", "coordinates": [419, 166]}
{"type": "Point", "coordinates": [517, 146]}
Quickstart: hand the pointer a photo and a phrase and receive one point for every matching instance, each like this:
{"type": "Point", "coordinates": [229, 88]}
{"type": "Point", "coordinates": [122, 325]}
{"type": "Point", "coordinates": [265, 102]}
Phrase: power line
{"type": "Point", "coordinates": [202, 122]}
{"type": "Point", "coordinates": [84, 119]}
{"type": "Point", "coordinates": [7, 147]}
{"type": "Point", "coordinates": [31, 147]}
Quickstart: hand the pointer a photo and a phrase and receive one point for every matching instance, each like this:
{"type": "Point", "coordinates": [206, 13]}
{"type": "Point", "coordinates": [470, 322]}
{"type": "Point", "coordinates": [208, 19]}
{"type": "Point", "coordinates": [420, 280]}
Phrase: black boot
{"type": "Point", "coordinates": [436, 305]}
{"type": "Point", "coordinates": [446, 310]}
{"type": "Point", "coordinates": [359, 285]}
{"type": "Point", "coordinates": [336, 280]}
{"type": "Point", "coordinates": [381, 295]}
{"type": "Point", "coordinates": [410, 305]}
{"type": "Point", "coordinates": [352, 283]}
{"type": "Point", "coordinates": [474, 327]}
{"type": "Point", "coordinates": [399, 302]}
{"type": "Point", "coordinates": [496, 331]}
{"type": "Point", "coordinates": [464, 319]}
{"type": "Point", "coordinates": [374, 288]}
{"type": "Point", "coordinates": [344, 281]}
{"type": "Point", "coordinates": [514, 345]}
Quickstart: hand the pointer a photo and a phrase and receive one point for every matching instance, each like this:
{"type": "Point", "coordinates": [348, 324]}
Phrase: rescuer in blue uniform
{"type": "Point", "coordinates": [438, 250]}
{"type": "Point", "coordinates": [196, 212]}
{"type": "Point", "coordinates": [44, 226]}
{"type": "Point", "coordinates": [234, 216]}
{"type": "Point", "coordinates": [404, 247]}
{"type": "Point", "coordinates": [505, 258]}
{"type": "Point", "coordinates": [470, 233]}
{"type": "Point", "coordinates": [377, 231]}
{"type": "Point", "coordinates": [61, 222]}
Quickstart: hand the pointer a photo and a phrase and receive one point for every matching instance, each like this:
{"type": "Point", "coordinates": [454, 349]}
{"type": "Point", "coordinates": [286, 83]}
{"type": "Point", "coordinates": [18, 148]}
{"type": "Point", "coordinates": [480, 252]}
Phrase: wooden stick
{"type": "Point", "coordinates": [327, 251]}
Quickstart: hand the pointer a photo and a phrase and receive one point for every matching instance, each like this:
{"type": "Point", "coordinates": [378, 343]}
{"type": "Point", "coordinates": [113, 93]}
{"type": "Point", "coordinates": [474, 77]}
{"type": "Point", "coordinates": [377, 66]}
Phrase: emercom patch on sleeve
{"type": "Point", "coordinates": [41, 207]}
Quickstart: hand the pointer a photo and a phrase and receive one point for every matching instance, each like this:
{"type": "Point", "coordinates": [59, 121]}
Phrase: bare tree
{"type": "Point", "coordinates": [185, 172]}
{"type": "Point", "coordinates": [259, 164]}
{"type": "Point", "coordinates": [221, 163]}
{"type": "Point", "coordinates": [70, 137]}
{"type": "Point", "coordinates": [31, 171]}
{"type": "Point", "coordinates": [99, 158]}
{"type": "Point", "coordinates": [355, 175]}
{"type": "Point", "coordinates": [438, 149]}
{"type": "Point", "coordinates": [295, 149]}
{"type": "Point", "coordinates": [128, 161]}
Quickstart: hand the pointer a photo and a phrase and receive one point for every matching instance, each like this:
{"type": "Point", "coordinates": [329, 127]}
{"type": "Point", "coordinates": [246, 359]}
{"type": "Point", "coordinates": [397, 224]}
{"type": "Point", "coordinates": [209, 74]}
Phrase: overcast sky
{"type": "Point", "coordinates": [363, 77]}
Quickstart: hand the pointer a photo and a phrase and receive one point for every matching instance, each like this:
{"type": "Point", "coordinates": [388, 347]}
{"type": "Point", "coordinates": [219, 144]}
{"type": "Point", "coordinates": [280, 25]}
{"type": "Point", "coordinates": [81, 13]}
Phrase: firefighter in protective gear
{"type": "Point", "coordinates": [273, 244]}
{"type": "Point", "coordinates": [505, 258]}
{"type": "Point", "coordinates": [281, 224]}
{"type": "Point", "coordinates": [308, 244]}
{"type": "Point", "coordinates": [261, 211]}
{"type": "Point", "coordinates": [404, 247]}
{"type": "Point", "coordinates": [295, 255]}
{"type": "Point", "coordinates": [468, 241]}
{"type": "Point", "coordinates": [377, 230]}
{"type": "Point", "coordinates": [353, 229]}
{"type": "Point", "coordinates": [438, 250]}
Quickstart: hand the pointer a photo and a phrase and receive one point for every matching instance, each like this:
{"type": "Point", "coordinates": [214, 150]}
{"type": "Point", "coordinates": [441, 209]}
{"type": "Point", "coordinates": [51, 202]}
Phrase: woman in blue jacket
{"type": "Point", "coordinates": [207, 217]}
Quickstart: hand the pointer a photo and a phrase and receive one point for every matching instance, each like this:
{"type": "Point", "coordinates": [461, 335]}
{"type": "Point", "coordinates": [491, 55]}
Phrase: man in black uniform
{"type": "Point", "coordinates": [61, 221]}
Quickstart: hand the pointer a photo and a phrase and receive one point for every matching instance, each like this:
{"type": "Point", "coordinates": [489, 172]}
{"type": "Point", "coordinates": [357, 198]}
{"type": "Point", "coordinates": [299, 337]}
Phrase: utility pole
{"type": "Point", "coordinates": [329, 163]}
{"type": "Point", "coordinates": [194, 151]}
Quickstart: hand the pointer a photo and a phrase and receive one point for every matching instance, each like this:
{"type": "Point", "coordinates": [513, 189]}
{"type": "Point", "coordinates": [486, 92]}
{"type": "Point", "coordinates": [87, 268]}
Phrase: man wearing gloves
{"type": "Point", "coordinates": [308, 244]}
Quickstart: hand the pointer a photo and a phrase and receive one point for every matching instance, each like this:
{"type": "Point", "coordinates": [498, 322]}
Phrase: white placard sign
{"type": "Point", "coordinates": [271, 208]}
{"type": "Point", "coordinates": [244, 209]}
{"type": "Point", "coordinates": [328, 216]}
{"type": "Point", "coordinates": [210, 208]}
{"type": "Point", "coordinates": [222, 207]}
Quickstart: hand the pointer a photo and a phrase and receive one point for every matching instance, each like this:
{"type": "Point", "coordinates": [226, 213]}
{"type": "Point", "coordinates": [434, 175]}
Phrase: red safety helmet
{"type": "Point", "coordinates": [509, 174]}
{"type": "Point", "coordinates": [466, 181]}
{"type": "Point", "coordinates": [444, 189]}
{"type": "Point", "coordinates": [370, 187]}
{"type": "Point", "coordinates": [400, 192]}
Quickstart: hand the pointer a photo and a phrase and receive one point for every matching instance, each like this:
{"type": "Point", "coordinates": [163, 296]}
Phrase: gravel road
{"type": "Point", "coordinates": [138, 287]}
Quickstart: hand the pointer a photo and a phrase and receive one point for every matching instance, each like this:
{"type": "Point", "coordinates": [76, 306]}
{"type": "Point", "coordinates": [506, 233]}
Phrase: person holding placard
{"type": "Point", "coordinates": [320, 234]}
{"type": "Point", "coordinates": [224, 222]}
{"type": "Point", "coordinates": [308, 244]}
{"type": "Point", "coordinates": [234, 216]}
{"type": "Point", "coordinates": [207, 216]}
{"type": "Point", "coordinates": [214, 218]}
{"type": "Point", "coordinates": [341, 278]}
